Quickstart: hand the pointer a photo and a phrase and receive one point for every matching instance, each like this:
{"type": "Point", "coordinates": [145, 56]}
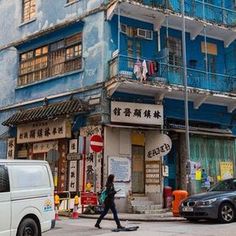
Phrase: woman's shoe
{"type": "Point", "coordinates": [98, 226]}
{"type": "Point", "coordinates": [120, 227]}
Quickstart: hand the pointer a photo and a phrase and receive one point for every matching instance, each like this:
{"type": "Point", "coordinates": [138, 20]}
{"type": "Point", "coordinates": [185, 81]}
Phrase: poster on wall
{"type": "Point", "coordinates": [72, 176]}
{"type": "Point", "coordinates": [121, 188]}
{"type": "Point", "coordinates": [120, 167]}
{"type": "Point", "coordinates": [226, 170]}
{"type": "Point", "coordinates": [195, 167]}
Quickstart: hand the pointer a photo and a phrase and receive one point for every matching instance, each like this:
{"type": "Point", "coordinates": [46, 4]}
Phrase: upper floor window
{"type": "Point", "coordinates": [51, 60]}
{"type": "Point", "coordinates": [175, 51]}
{"type": "Point", "coordinates": [29, 10]}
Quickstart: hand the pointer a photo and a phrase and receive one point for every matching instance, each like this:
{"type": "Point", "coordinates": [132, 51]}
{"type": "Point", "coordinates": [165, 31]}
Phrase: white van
{"type": "Point", "coordinates": [26, 198]}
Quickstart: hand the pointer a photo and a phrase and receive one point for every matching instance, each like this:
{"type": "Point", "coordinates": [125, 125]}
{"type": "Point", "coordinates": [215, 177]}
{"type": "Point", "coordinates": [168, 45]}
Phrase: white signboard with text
{"type": "Point", "coordinates": [158, 147]}
{"type": "Point", "coordinates": [136, 113]}
{"type": "Point", "coordinates": [72, 176]}
{"type": "Point", "coordinates": [43, 130]}
{"type": "Point", "coordinates": [120, 167]}
{"type": "Point", "coordinates": [45, 147]}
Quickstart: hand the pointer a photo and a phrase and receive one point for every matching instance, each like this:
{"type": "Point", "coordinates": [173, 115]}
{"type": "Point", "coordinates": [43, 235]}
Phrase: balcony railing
{"type": "Point", "coordinates": [123, 66]}
{"type": "Point", "coordinates": [197, 9]}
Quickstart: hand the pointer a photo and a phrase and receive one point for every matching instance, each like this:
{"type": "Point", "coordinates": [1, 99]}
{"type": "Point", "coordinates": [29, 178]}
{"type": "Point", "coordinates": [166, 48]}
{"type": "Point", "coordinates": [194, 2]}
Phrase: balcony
{"type": "Point", "coordinates": [172, 75]}
{"type": "Point", "coordinates": [196, 8]}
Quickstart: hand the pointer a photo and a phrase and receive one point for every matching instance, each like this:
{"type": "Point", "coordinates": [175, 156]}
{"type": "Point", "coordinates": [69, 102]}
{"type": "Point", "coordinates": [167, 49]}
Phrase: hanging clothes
{"type": "Point", "coordinates": [144, 70]}
{"type": "Point", "coordinates": [138, 69]}
{"type": "Point", "coordinates": [151, 68]}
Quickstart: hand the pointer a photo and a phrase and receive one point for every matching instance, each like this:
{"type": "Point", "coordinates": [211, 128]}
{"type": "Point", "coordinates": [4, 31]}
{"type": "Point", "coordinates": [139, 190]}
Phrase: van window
{"type": "Point", "coordinates": [4, 179]}
{"type": "Point", "coordinates": [29, 176]}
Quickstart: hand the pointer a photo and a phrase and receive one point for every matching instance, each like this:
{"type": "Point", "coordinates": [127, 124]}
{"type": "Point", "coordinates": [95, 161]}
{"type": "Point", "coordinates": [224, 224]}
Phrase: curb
{"type": "Point", "coordinates": [158, 219]}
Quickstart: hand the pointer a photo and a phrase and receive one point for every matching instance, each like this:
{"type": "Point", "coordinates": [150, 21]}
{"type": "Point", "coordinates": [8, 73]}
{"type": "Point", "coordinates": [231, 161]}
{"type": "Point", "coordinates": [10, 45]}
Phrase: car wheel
{"type": "Point", "coordinates": [28, 227]}
{"type": "Point", "coordinates": [226, 213]}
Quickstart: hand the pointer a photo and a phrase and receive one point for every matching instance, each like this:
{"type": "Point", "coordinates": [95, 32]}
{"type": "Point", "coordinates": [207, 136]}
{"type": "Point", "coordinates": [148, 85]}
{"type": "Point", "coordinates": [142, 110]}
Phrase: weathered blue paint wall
{"type": "Point", "coordinates": [49, 14]}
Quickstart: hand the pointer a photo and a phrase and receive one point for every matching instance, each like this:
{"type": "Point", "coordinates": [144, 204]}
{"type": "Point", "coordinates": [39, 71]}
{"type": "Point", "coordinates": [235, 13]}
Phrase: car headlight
{"type": "Point", "coordinates": [206, 202]}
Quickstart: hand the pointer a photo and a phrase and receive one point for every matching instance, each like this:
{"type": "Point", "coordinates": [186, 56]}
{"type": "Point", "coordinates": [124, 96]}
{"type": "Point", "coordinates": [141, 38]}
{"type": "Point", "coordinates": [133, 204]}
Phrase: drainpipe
{"type": "Point", "coordinates": [118, 42]}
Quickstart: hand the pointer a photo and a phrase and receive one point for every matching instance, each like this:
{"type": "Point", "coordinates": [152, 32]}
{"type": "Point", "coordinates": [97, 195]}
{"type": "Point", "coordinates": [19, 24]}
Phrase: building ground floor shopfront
{"type": "Point", "coordinates": [212, 158]}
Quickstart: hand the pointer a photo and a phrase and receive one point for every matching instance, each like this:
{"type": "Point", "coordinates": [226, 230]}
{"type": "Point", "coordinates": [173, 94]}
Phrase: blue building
{"type": "Point", "coordinates": [146, 67]}
{"type": "Point", "coordinates": [114, 68]}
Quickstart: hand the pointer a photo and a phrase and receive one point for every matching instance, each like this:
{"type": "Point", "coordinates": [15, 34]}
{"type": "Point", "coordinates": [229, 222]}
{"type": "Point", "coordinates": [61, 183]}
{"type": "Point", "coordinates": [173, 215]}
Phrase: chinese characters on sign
{"type": "Point", "coordinates": [11, 148]}
{"type": "Point", "coordinates": [73, 176]}
{"type": "Point", "coordinates": [46, 130]}
{"type": "Point", "coordinates": [136, 113]}
{"type": "Point", "coordinates": [73, 146]}
{"type": "Point", "coordinates": [158, 147]}
{"type": "Point", "coordinates": [45, 147]}
{"type": "Point", "coordinates": [153, 171]}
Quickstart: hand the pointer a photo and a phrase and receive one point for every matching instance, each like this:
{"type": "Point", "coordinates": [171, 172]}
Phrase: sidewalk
{"type": "Point", "coordinates": [162, 217]}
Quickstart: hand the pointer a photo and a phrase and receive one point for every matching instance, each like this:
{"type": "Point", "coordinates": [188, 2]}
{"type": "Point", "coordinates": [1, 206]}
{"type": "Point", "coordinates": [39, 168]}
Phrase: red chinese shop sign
{"type": "Point", "coordinates": [88, 198]}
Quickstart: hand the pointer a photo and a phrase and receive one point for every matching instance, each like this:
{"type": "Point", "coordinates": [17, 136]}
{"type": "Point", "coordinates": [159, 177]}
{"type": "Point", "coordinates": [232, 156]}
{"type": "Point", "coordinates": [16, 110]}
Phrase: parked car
{"type": "Point", "coordinates": [26, 198]}
{"type": "Point", "coordinates": [217, 203]}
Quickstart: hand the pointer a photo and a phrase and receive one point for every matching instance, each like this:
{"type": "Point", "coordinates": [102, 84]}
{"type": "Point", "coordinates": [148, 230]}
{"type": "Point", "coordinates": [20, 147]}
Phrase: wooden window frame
{"type": "Point", "coordinates": [50, 60]}
{"type": "Point", "coordinates": [28, 10]}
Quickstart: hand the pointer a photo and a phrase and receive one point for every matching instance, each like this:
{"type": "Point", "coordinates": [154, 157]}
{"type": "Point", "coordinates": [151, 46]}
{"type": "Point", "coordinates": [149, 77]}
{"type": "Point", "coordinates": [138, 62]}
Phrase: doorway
{"type": "Point", "coordinates": [138, 171]}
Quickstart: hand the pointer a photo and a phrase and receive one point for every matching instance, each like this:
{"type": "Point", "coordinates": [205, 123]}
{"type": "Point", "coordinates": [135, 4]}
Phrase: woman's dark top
{"type": "Point", "coordinates": [110, 194]}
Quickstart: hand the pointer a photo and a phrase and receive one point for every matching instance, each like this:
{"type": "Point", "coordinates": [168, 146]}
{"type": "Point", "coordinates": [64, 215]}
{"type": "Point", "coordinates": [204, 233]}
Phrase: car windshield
{"type": "Point", "coordinates": [226, 185]}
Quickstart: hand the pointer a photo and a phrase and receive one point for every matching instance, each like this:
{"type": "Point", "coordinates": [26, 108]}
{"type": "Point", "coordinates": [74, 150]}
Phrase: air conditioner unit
{"type": "Point", "coordinates": [146, 34]}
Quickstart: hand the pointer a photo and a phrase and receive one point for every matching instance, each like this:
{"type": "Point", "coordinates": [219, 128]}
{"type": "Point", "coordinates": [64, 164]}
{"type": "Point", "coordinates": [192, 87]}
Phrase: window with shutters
{"type": "Point", "coordinates": [50, 60]}
{"type": "Point", "coordinates": [175, 51]}
{"type": "Point", "coordinates": [29, 10]}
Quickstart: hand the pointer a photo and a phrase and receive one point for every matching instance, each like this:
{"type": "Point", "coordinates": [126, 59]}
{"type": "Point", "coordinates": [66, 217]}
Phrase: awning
{"type": "Point", "coordinates": [202, 131]}
{"type": "Point", "coordinates": [47, 112]}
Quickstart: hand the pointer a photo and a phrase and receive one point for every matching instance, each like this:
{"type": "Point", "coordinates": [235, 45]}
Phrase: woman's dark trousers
{"type": "Point", "coordinates": [105, 211]}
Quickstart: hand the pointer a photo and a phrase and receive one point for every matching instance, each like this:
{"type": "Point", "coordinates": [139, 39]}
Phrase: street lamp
{"type": "Point", "coordinates": [185, 90]}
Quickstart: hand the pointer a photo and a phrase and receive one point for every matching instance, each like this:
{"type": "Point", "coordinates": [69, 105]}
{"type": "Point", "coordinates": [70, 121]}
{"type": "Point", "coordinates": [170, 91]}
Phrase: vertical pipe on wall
{"type": "Point", "coordinates": [206, 54]}
{"type": "Point", "coordinates": [118, 41]}
{"type": "Point", "coordinates": [187, 142]}
{"type": "Point", "coordinates": [159, 40]}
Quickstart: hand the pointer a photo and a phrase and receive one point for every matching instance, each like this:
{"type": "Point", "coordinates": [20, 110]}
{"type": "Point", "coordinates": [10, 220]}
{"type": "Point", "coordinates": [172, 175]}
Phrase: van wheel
{"type": "Point", "coordinates": [28, 227]}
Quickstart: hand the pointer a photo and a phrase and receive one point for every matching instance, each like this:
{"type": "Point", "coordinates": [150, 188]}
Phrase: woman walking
{"type": "Point", "coordinates": [109, 203]}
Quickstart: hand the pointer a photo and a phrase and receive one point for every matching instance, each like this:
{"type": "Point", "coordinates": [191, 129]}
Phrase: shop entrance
{"type": "Point", "coordinates": [138, 183]}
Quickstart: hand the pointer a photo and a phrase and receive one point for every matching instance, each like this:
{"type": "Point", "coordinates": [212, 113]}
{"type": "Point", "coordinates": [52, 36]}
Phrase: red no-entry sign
{"type": "Point", "coordinates": [96, 143]}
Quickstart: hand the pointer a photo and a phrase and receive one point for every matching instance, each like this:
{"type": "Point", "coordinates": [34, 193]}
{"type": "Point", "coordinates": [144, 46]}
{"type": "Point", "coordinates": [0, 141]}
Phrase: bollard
{"type": "Point", "coordinates": [57, 203]}
{"type": "Point", "coordinates": [75, 214]}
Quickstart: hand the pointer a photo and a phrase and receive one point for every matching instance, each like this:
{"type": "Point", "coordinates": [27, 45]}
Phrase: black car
{"type": "Point", "coordinates": [217, 203]}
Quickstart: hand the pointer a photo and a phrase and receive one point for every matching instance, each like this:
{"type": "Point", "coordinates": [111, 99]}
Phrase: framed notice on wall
{"type": "Point", "coordinates": [120, 167]}
{"type": "Point", "coordinates": [153, 172]}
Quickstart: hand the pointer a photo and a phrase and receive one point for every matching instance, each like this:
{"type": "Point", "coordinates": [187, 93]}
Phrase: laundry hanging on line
{"type": "Point", "coordinates": [144, 69]}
